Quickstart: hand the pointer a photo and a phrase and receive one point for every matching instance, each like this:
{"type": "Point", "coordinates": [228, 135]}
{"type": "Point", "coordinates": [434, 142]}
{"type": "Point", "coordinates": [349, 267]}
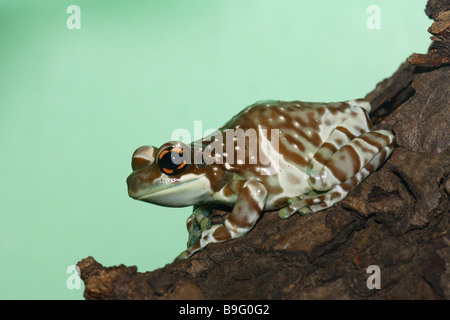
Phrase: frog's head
{"type": "Point", "coordinates": [167, 176]}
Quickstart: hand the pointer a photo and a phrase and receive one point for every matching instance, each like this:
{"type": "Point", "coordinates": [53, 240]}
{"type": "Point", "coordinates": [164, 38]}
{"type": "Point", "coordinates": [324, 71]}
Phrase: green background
{"type": "Point", "coordinates": [74, 104]}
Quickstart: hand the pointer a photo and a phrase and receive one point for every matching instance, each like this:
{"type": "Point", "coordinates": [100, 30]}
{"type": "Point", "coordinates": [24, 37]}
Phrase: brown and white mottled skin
{"type": "Point", "coordinates": [313, 155]}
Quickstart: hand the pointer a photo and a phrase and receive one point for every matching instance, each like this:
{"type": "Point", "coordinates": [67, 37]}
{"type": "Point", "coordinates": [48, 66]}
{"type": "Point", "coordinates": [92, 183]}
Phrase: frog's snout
{"type": "Point", "coordinates": [143, 156]}
{"type": "Point", "coordinates": [132, 189]}
{"type": "Point", "coordinates": [137, 182]}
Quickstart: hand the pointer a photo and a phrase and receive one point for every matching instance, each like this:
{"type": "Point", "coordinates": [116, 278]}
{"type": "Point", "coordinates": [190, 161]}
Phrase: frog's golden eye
{"type": "Point", "coordinates": [171, 161]}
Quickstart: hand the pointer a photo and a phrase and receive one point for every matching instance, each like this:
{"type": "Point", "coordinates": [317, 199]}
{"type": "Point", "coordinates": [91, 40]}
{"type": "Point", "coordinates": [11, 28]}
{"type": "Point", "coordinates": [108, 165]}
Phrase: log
{"type": "Point", "coordinates": [397, 219]}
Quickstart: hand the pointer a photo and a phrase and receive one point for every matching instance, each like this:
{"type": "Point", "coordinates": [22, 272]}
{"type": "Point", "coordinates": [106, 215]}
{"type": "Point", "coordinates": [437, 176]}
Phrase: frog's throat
{"type": "Point", "coordinates": [173, 188]}
{"type": "Point", "coordinates": [178, 194]}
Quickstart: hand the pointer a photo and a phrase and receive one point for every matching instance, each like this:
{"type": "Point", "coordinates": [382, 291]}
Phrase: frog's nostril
{"type": "Point", "coordinates": [143, 156]}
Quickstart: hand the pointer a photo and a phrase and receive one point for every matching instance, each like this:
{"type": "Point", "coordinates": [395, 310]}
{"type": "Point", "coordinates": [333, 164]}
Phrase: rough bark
{"type": "Point", "coordinates": [397, 219]}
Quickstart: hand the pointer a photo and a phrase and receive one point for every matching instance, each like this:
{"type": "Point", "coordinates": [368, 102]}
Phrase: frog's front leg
{"type": "Point", "coordinates": [248, 208]}
{"type": "Point", "coordinates": [342, 171]}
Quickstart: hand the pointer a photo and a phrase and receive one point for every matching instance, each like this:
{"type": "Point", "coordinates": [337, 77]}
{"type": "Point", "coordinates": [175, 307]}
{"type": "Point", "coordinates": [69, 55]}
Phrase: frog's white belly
{"type": "Point", "coordinates": [291, 178]}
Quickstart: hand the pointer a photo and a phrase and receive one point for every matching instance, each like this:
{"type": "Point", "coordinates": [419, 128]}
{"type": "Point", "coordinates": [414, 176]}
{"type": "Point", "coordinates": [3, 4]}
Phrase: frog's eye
{"type": "Point", "coordinates": [171, 161]}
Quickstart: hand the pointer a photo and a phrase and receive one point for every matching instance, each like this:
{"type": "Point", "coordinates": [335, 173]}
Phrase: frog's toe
{"type": "Point", "coordinates": [292, 200]}
{"type": "Point", "coordinates": [304, 211]}
{"type": "Point", "coordinates": [193, 238]}
{"type": "Point", "coordinates": [205, 223]}
{"type": "Point", "coordinates": [189, 251]}
{"type": "Point", "coordinates": [182, 256]}
{"type": "Point", "coordinates": [296, 199]}
{"type": "Point", "coordinates": [286, 212]}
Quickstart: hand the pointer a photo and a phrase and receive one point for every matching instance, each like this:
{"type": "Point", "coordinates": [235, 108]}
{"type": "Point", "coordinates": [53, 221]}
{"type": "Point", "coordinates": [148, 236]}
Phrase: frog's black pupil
{"type": "Point", "coordinates": [170, 162]}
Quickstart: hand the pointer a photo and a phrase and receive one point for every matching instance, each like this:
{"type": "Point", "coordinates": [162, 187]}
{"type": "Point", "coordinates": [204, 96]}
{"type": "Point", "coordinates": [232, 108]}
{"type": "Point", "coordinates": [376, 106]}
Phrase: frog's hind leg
{"type": "Point", "coordinates": [365, 152]}
{"type": "Point", "coordinates": [343, 171]}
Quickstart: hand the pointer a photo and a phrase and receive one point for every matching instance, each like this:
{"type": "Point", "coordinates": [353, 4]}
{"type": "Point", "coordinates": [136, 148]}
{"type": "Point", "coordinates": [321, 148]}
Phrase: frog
{"type": "Point", "coordinates": [314, 154]}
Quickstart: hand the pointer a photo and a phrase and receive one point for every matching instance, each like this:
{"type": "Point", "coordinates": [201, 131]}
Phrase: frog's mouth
{"type": "Point", "coordinates": [173, 193]}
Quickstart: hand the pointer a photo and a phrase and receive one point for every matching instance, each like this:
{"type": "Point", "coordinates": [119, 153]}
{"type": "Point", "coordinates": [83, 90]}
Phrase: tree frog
{"type": "Point", "coordinates": [285, 156]}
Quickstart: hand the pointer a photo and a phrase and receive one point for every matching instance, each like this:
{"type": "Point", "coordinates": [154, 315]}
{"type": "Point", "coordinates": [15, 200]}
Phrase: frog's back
{"type": "Point", "coordinates": [280, 114]}
{"type": "Point", "coordinates": [301, 127]}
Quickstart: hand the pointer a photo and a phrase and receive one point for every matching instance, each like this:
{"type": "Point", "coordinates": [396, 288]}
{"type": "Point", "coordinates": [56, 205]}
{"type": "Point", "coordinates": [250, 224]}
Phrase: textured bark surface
{"type": "Point", "coordinates": [397, 219]}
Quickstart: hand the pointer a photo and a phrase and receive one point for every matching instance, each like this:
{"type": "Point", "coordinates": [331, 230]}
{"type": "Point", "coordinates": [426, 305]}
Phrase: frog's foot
{"type": "Point", "coordinates": [303, 196]}
{"type": "Point", "coordinates": [311, 203]}
{"type": "Point", "coordinates": [197, 222]}
{"type": "Point", "coordinates": [189, 251]}
{"type": "Point", "coordinates": [293, 202]}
